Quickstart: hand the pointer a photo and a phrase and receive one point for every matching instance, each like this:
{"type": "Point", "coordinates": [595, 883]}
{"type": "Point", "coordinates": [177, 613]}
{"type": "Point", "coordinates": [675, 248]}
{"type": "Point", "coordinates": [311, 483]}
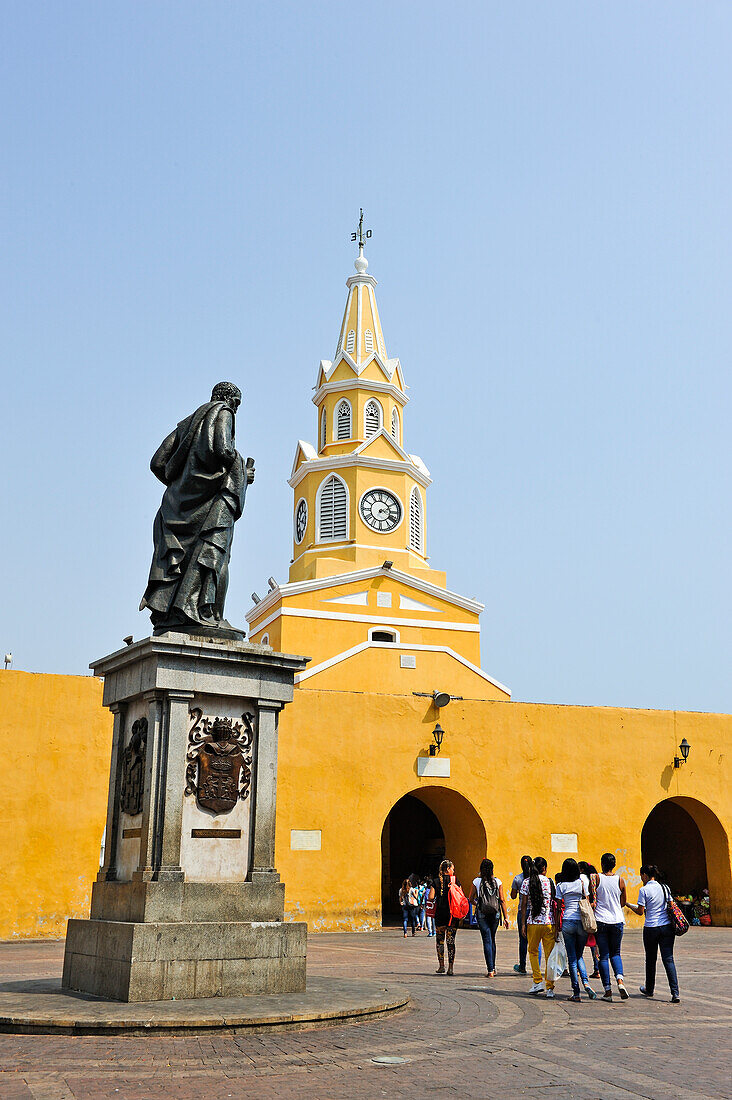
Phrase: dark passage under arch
{"type": "Point", "coordinates": [671, 839]}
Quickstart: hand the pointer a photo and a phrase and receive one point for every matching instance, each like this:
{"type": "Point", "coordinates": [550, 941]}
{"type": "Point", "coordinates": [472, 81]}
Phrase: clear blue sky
{"type": "Point", "coordinates": [549, 191]}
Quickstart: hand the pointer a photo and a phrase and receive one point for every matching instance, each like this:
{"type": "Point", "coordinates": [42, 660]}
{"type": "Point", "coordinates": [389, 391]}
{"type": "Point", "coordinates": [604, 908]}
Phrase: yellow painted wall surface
{"type": "Point", "coordinates": [56, 741]}
{"type": "Point", "coordinates": [529, 770]}
{"type": "Point", "coordinates": [519, 772]}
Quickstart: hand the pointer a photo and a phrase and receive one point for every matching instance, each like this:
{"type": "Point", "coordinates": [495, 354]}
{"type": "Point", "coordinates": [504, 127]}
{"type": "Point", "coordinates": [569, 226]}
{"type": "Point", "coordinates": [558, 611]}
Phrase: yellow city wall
{"type": "Point", "coordinates": [55, 740]}
{"type": "Point", "coordinates": [346, 757]}
{"type": "Point", "coordinates": [529, 770]}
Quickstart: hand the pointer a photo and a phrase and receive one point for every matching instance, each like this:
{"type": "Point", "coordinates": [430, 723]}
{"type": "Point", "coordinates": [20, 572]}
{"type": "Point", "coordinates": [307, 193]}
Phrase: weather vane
{"type": "Point", "coordinates": [359, 235]}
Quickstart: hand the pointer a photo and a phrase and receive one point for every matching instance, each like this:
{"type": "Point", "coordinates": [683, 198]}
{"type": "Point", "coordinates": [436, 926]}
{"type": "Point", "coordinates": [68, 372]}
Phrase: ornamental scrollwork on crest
{"type": "Point", "coordinates": [219, 760]}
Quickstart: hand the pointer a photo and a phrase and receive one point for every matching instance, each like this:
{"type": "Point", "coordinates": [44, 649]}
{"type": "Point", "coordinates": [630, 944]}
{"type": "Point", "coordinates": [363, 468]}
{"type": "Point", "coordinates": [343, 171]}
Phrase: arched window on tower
{"type": "Point", "coordinates": [323, 429]}
{"type": "Point", "coordinates": [343, 420]}
{"type": "Point", "coordinates": [332, 509]}
{"type": "Point", "coordinates": [372, 418]}
{"type": "Point", "coordinates": [351, 341]}
{"type": "Point", "coordinates": [368, 340]}
{"type": "Point", "coordinates": [395, 425]}
{"type": "Point", "coordinates": [416, 521]}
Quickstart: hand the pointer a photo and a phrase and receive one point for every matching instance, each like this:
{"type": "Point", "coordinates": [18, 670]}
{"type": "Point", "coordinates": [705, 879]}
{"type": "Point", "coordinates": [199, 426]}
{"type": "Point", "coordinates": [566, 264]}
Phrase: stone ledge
{"type": "Point", "coordinates": [43, 1007]}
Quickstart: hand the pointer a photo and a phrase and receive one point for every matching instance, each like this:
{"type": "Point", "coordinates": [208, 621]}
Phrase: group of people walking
{"type": "Point", "coordinates": [585, 906]}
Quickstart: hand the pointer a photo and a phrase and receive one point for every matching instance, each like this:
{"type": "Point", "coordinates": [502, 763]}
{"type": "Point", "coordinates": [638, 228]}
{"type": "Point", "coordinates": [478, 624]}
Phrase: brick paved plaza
{"type": "Point", "coordinates": [457, 1037]}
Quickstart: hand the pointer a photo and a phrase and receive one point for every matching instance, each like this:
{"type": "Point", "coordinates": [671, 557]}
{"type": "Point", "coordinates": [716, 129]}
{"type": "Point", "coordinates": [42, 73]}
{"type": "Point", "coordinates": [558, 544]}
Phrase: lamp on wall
{"type": "Point", "coordinates": [684, 749]}
{"type": "Point", "coordinates": [438, 733]}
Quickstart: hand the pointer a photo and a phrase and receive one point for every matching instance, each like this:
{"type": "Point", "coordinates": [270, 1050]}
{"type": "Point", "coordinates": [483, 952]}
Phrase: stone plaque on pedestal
{"type": "Point", "coordinates": [188, 902]}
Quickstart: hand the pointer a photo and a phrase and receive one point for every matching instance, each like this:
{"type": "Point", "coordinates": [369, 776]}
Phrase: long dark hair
{"type": "Point", "coordinates": [486, 871]}
{"type": "Point", "coordinates": [536, 894]}
{"type": "Point", "coordinates": [652, 871]}
{"type": "Point", "coordinates": [570, 870]}
{"type": "Point", "coordinates": [587, 868]}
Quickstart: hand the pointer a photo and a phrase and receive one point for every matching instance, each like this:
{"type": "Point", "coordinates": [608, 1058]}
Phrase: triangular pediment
{"type": "Point", "coordinates": [304, 452]}
{"type": "Point", "coordinates": [382, 445]}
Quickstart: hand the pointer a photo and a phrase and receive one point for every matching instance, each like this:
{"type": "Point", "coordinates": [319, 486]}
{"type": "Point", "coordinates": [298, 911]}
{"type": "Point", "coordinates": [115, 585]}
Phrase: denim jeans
{"type": "Point", "coordinates": [575, 939]}
{"type": "Point", "coordinates": [608, 938]}
{"type": "Point", "coordinates": [409, 914]}
{"type": "Point", "coordinates": [662, 937]}
{"type": "Point", "coordinates": [488, 926]}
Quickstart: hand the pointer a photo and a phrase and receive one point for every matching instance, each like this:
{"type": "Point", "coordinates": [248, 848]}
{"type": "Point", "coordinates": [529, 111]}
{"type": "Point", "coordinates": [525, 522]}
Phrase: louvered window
{"type": "Point", "coordinates": [382, 349]}
{"type": "Point", "coordinates": [351, 341]}
{"type": "Point", "coordinates": [333, 510]}
{"type": "Point", "coordinates": [395, 425]}
{"type": "Point", "coordinates": [415, 521]}
{"type": "Point", "coordinates": [372, 418]}
{"type": "Point", "coordinates": [368, 339]}
{"type": "Point", "coordinates": [343, 421]}
{"type": "Point", "coordinates": [323, 429]}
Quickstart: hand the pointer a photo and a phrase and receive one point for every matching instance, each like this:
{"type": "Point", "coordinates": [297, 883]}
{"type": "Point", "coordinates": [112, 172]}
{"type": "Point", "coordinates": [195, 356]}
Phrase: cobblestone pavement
{"type": "Point", "coordinates": [466, 1035]}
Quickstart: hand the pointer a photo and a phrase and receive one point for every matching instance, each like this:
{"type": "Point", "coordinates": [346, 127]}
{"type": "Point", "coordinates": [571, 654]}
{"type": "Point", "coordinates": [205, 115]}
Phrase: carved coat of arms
{"type": "Point", "coordinates": [219, 760]}
{"type": "Point", "coordinates": [133, 769]}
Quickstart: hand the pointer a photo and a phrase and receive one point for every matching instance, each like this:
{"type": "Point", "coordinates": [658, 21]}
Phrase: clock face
{"type": "Point", "coordinates": [381, 510]}
{"type": "Point", "coordinates": [301, 520]}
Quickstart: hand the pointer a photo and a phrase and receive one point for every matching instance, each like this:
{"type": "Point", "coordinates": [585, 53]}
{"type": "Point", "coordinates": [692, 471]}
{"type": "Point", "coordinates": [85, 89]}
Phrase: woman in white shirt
{"type": "Point", "coordinates": [610, 924]}
{"type": "Point", "coordinates": [658, 931]}
{"type": "Point", "coordinates": [571, 888]}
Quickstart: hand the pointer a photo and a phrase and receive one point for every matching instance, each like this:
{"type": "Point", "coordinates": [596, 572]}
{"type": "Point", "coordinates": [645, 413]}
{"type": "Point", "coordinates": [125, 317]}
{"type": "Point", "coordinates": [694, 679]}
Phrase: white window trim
{"type": "Point", "coordinates": [336, 438]}
{"type": "Point", "coordinates": [380, 407]}
{"type": "Point", "coordinates": [395, 416]}
{"type": "Point", "coordinates": [264, 640]}
{"type": "Point", "coordinates": [307, 520]}
{"type": "Point", "coordinates": [323, 429]}
{"type": "Point", "coordinates": [381, 489]}
{"type": "Point", "coordinates": [382, 629]}
{"type": "Point", "coordinates": [417, 549]}
{"type": "Point", "coordinates": [318, 495]}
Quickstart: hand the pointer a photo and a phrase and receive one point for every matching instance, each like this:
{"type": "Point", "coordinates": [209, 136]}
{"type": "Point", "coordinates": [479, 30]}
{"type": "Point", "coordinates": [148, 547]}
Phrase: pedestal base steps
{"type": "Point", "coordinates": [129, 961]}
{"type": "Point", "coordinates": [42, 1007]}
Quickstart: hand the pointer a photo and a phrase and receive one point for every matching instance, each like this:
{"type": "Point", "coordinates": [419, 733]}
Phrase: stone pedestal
{"type": "Point", "coordinates": [188, 902]}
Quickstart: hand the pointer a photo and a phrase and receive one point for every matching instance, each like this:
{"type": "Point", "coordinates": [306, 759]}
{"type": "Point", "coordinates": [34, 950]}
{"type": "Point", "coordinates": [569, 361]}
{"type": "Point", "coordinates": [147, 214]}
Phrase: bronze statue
{"type": "Point", "coordinates": [206, 481]}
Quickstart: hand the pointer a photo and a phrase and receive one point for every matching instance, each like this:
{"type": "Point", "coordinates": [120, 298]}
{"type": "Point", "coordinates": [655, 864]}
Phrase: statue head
{"type": "Point", "coordinates": [228, 392]}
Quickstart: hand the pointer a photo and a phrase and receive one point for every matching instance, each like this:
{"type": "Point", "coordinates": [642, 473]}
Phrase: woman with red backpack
{"type": "Point", "coordinates": [448, 898]}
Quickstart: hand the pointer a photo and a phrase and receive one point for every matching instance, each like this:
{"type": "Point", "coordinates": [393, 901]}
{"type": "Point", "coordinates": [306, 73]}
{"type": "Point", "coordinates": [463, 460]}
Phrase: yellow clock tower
{"type": "Point", "coordinates": [360, 576]}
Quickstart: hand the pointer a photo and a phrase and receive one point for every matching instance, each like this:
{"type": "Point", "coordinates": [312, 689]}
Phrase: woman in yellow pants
{"type": "Point", "coordinates": [535, 916]}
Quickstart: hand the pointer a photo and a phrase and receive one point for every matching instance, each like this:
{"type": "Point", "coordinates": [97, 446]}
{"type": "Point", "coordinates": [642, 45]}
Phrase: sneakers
{"type": "Point", "coordinates": [622, 990]}
{"type": "Point", "coordinates": [676, 1000]}
{"type": "Point", "coordinates": [642, 989]}
{"type": "Point", "coordinates": [590, 992]}
{"type": "Point", "coordinates": [519, 969]}
{"type": "Point", "coordinates": [550, 994]}
{"type": "Point", "coordinates": [537, 987]}
{"type": "Point", "coordinates": [607, 995]}
{"type": "Point", "coordinates": [576, 998]}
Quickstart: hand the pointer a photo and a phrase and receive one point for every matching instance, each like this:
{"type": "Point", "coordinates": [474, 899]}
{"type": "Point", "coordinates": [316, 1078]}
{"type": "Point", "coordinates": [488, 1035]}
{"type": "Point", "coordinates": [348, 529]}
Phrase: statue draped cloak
{"type": "Point", "coordinates": [206, 484]}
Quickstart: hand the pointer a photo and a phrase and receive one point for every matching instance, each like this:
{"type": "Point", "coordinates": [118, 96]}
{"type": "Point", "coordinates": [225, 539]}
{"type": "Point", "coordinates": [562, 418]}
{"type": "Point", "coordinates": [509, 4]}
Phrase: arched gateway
{"type": "Point", "coordinates": [422, 828]}
{"type": "Point", "coordinates": [690, 846]}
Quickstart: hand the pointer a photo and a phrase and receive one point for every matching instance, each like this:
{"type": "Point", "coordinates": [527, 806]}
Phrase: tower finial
{"type": "Point", "coordinates": [361, 235]}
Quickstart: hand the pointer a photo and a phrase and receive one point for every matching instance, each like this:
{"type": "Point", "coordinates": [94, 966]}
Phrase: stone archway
{"type": "Point", "coordinates": [690, 846]}
{"type": "Point", "coordinates": [423, 827]}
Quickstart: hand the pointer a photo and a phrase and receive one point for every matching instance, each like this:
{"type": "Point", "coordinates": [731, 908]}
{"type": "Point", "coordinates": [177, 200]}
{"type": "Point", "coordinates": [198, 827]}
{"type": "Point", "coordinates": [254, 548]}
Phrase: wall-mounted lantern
{"type": "Point", "coordinates": [438, 733]}
{"type": "Point", "coordinates": [684, 749]}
